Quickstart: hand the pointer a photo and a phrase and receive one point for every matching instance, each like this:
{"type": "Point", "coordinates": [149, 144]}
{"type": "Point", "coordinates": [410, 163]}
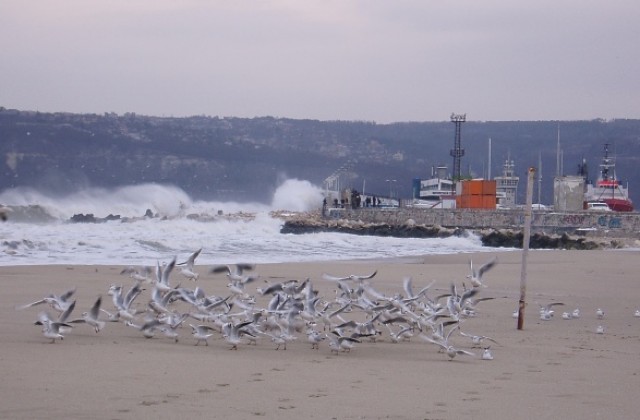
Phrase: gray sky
{"type": "Point", "coordinates": [382, 61]}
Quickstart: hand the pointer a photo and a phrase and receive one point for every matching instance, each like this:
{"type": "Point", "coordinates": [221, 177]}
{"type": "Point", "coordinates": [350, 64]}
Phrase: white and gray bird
{"type": "Point", "coordinates": [202, 333]}
{"type": "Point", "coordinates": [354, 277]}
{"type": "Point", "coordinates": [59, 303]}
{"type": "Point", "coordinates": [486, 354]}
{"type": "Point", "coordinates": [188, 271]}
{"type": "Point", "coordinates": [52, 329]}
{"type": "Point", "coordinates": [339, 343]}
{"type": "Point", "coordinates": [315, 338]}
{"type": "Point", "coordinates": [91, 317]}
{"type": "Point", "coordinates": [476, 274]}
{"type": "Point", "coordinates": [477, 340]}
{"type": "Point", "coordinates": [448, 348]}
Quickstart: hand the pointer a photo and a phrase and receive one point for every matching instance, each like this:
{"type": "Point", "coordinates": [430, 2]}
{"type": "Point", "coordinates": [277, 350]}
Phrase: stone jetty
{"type": "Point", "coordinates": [551, 233]}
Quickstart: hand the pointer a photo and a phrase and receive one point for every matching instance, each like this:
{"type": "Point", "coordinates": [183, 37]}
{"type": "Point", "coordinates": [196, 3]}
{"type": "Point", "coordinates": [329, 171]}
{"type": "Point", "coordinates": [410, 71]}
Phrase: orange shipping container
{"type": "Point", "coordinates": [471, 187]}
{"type": "Point", "coordinates": [489, 188]}
{"type": "Point", "coordinates": [476, 202]}
{"type": "Point", "coordinates": [478, 187]}
{"type": "Point", "coordinates": [489, 202]}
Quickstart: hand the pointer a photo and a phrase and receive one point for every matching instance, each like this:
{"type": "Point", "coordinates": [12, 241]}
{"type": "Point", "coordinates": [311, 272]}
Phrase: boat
{"type": "Point", "coordinates": [607, 189]}
{"type": "Point", "coordinates": [507, 186]}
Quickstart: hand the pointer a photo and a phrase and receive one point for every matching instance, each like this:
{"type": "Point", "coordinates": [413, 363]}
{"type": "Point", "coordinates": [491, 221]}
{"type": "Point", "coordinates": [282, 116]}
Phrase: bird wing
{"type": "Point", "coordinates": [65, 315]}
{"type": "Point", "coordinates": [95, 309]}
{"type": "Point", "coordinates": [66, 295]}
{"type": "Point", "coordinates": [486, 267]}
{"type": "Point", "coordinates": [333, 278]}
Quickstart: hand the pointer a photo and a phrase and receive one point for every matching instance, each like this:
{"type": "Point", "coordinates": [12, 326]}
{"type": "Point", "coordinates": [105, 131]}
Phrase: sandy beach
{"type": "Point", "coordinates": [549, 370]}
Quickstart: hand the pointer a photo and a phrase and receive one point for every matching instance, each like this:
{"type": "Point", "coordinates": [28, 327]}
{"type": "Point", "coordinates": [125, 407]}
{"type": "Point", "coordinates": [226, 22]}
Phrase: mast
{"type": "Point", "coordinates": [558, 168]}
{"type": "Point", "coordinates": [489, 170]}
{"type": "Point", "coordinates": [539, 175]}
{"type": "Point", "coordinates": [457, 152]}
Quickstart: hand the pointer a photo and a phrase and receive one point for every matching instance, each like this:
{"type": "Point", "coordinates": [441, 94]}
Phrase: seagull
{"type": "Point", "coordinates": [486, 354]}
{"type": "Point", "coordinates": [281, 339]}
{"type": "Point", "coordinates": [451, 351]}
{"type": "Point", "coordinates": [123, 303]}
{"type": "Point", "coordinates": [567, 315]}
{"type": "Point", "coordinates": [202, 333]}
{"type": "Point", "coordinates": [138, 273]}
{"type": "Point", "coordinates": [188, 271]}
{"type": "Point", "coordinates": [477, 339]}
{"type": "Point", "coordinates": [637, 313]}
{"type": "Point", "coordinates": [546, 313]}
{"type": "Point", "coordinates": [576, 313]}
{"type": "Point", "coordinates": [162, 275]}
{"type": "Point", "coordinates": [404, 334]}
{"type": "Point", "coordinates": [233, 272]}
{"type": "Point", "coordinates": [111, 317]}
{"type": "Point", "coordinates": [546, 316]}
{"type": "Point", "coordinates": [314, 337]}
{"type": "Point", "coordinates": [91, 317]}
{"type": "Point", "coordinates": [52, 329]}
{"type": "Point", "coordinates": [600, 329]}
{"type": "Point", "coordinates": [59, 303]}
{"type": "Point", "coordinates": [339, 342]}
{"type": "Point", "coordinates": [353, 277]}
{"type": "Point", "coordinates": [148, 329]}
{"type": "Point", "coordinates": [233, 333]}
{"type": "Point", "coordinates": [408, 288]}
{"type": "Point", "coordinates": [599, 313]}
{"type": "Point", "coordinates": [476, 275]}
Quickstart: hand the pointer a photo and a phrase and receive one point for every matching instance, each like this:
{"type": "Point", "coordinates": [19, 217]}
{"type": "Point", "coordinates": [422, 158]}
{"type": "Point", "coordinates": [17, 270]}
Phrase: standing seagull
{"type": "Point", "coordinates": [476, 275]}
{"type": "Point", "coordinates": [201, 333]}
{"type": "Point", "coordinates": [52, 329]}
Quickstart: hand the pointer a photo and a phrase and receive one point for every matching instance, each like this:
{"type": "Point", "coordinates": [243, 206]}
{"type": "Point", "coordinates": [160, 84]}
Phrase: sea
{"type": "Point", "coordinates": [38, 230]}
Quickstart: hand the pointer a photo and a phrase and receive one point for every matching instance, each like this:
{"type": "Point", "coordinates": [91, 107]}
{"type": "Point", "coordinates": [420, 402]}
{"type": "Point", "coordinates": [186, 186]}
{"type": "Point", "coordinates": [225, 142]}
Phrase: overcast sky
{"type": "Point", "coordinates": [382, 61]}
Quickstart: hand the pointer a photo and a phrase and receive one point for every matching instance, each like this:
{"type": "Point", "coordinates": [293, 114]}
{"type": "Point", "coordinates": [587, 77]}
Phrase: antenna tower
{"type": "Point", "coordinates": [457, 152]}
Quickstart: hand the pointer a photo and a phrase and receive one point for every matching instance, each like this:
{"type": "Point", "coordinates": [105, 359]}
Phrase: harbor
{"type": "Point", "coordinates": [583, 210]}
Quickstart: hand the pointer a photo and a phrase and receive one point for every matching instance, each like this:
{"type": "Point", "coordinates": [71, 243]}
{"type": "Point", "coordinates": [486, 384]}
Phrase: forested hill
{"type": "Point", "coordinates": [246, 158]}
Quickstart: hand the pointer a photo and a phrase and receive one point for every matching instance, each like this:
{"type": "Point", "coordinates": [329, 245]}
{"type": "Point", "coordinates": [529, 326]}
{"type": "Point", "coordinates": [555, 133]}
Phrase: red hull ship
{"type": "Point", "coordinates": [607, 188]}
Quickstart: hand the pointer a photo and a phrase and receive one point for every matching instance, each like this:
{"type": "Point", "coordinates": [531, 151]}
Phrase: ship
{"type": "Point", "coordinates": [607, 189]}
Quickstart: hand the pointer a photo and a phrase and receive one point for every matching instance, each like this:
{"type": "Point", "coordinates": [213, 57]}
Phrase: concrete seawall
{"type": "Point", "coordinates": [591, 224]}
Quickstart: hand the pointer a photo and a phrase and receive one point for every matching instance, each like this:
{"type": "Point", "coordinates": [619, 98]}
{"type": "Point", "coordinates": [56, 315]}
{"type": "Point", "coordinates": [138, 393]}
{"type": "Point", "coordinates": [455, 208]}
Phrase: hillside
{"type": "Point", "coordinates": [246, 159]}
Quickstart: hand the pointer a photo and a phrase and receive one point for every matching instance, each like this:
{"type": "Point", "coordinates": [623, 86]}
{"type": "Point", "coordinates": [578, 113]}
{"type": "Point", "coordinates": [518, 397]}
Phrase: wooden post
{"type": "Point", "coordinates": [525, 246]}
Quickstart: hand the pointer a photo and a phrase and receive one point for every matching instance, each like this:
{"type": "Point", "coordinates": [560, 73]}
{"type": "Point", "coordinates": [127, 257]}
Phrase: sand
{"type": "Point", "coordinates": [549, 370]}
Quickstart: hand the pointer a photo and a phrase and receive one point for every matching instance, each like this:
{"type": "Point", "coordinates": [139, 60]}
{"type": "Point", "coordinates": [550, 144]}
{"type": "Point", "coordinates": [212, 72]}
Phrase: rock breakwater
{"type": "Point", "coordinates": [507, 238]}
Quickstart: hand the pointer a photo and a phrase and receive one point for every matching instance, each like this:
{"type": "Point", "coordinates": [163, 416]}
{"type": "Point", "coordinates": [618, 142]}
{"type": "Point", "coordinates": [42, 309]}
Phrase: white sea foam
{"type": "Point", "coordinates": [147, 240]}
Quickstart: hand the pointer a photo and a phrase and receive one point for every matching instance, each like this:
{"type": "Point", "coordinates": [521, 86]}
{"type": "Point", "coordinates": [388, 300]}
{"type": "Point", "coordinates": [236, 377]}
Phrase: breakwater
{"type": "Point", "coordinates": [564, 230]}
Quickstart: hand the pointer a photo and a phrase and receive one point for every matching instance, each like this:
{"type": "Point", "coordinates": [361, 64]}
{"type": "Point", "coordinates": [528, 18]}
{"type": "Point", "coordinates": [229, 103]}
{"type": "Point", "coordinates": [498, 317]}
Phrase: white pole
{"type": "Point", "coordinates": [525, 246]}
{"type": "Point", "coordinates": [489, 171]}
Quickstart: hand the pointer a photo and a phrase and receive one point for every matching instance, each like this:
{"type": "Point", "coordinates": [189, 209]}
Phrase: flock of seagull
{"type": "Point", "coordinates": [293, 310]}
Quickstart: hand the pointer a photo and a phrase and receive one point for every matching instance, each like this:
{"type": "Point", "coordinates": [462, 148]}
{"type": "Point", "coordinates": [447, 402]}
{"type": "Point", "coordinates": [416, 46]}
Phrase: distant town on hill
{"type": "Point", "coordinates": [245, 159]}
